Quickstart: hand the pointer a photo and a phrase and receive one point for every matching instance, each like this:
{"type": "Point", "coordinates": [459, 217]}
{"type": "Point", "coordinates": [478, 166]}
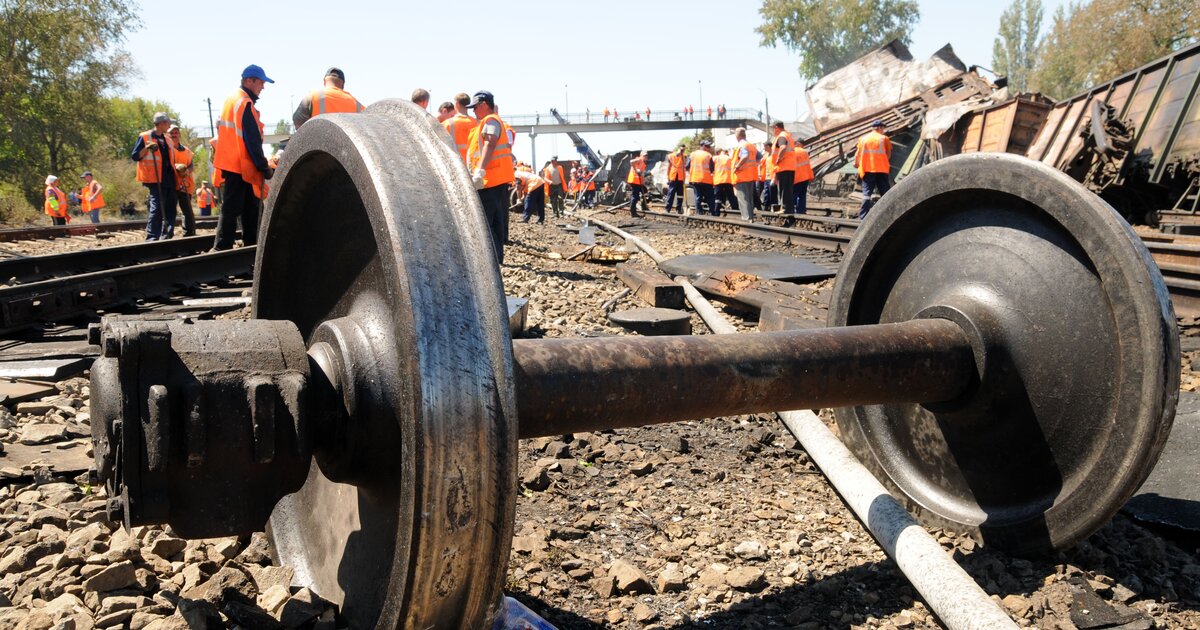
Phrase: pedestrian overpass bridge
{"type": "Point", "coordinates": [589, 122]}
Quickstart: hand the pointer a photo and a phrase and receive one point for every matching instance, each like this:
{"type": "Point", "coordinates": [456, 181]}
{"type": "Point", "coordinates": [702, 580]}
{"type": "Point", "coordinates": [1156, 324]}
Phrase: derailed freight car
{"type": "Point", "coordinates": [1134, 140]}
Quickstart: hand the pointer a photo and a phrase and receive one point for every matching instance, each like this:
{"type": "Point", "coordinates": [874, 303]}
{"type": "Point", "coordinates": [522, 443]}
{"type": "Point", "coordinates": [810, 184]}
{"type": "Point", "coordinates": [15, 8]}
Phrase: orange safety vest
{"type": "Point", "coordinates": [784, 159]}
{"type": "Point", "coordinates": [591, 182]}
{"type": "Point", "coordinates": [804, 170]}
{"type": "Point", "coordinates": [636, 167]}
{"type": "Point", "coordinates": [700, 171]}
{"type": "Point", "coordinates": [749, 170]}
{"type": "Point", "coordinates": [149, 168]}
{"type": "Point", "coordinates": [231, 152]}
{"type": "Point", "coordinates": [186, 182]}
{"type": "Point", "coordinates": [331, 100]}
{"type": "Point", "coordinates": [675, 167]}
{"type": "Point", "coordinates": [91, 189]}
{"type": "Point", "coordinates": [499, 171]}
{"type": "Point", "coordinates": [722, 169]}
{"type": "Point", "coordinates": [533, 183]}
{"type": "Point", "coordinates": [204, 198]}
{"type": "Point", "coordinates": [872, 153]}
{"type": "Point", "coordinates": [459, 127]}
{"type": "Point", "coordinates": [762, 170]}
{"type": "Point", "coordinates": [56, 205]}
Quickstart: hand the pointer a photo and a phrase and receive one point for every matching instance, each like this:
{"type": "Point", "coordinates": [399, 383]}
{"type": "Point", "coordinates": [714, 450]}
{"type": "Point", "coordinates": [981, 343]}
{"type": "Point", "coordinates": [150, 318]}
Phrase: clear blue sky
{"type": "Point", "coordinates": [533, 55]}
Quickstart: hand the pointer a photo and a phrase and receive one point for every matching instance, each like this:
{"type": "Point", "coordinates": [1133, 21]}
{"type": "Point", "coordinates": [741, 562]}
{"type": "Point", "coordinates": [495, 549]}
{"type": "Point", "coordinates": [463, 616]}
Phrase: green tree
{"type": "Point", "coordinates": [58, 61]}
{"type": "Point", "coordinates": [283, 128]}
{"type": "Point", "coordinates": [1015, 51]}
{"type": "Point", "coordinates": [1099, 40]}
{"type": "Point", "coordinates": [829, 34]}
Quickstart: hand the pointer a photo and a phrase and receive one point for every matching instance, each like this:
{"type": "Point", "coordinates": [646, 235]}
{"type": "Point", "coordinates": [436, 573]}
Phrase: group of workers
{"type": "Point", "coordinates": [747, 179]}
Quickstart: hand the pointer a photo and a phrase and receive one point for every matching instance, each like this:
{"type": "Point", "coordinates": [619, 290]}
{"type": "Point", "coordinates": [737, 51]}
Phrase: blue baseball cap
{"type": "Point", "coordinates": [877, 123]}
{"type": "Point", "coordinates": [256, 72]}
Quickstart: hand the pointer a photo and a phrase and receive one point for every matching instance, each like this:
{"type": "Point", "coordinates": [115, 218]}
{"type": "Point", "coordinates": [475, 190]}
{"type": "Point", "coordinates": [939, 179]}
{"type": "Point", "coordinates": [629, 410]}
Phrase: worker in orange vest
{"type": "Point", "coordinates": [723, 180]}
{"type": "Point", "coordinates": [589, 192]}
{"type": "Point", "coordinates": [804, 175]}
{"type": "Point", "coordinates": [783, 163]}
{"type": "Point", "coordinates": [637, 183]}
{"type": "Point", "coordinates": [332, 98]}
{"type": "Point", "coordinates": [555, 180]}
{"type": "Point", "coordinates": [871, 158]}
{"type": "Point", "coordinates": [185, 182]}
{"type": "Point", "coordinates": [91, 198]}
{"type": "Point", "coordinates": [535, 195]}
{"type": "Point", "coordinates": [675, 176]}
{"type": "Point", "coordinates": [745, 173]}
{"type": "Point", "coordinates": [700, 172]}
{"type": "Point", "coordinates": [492, 165]}
{"type": "Point", "coordinates": [155, 157]}
{"type": "Point", "coordinates": [240, 160]}
{"type": "Point", "coordinates": [459, 125]}
{"type": "Point", "coordinates": [205, 199]}
{"type": "Point", "coordinates": [56, 202]}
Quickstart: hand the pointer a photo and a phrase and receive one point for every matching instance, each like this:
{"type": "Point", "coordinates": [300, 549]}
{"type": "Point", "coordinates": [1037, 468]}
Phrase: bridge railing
{"type": "Point", "coordinates": [676, 115]}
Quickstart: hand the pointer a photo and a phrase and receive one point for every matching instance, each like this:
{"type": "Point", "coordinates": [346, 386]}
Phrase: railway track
{"type": "Point", "coordinates": [26, 269]}
{"type": "Point", "coordinates": [9, 235]}
{"type": "Point", "coordinates": [74, 293]}
{"type": "Point", "coordinates": [1178, 257]}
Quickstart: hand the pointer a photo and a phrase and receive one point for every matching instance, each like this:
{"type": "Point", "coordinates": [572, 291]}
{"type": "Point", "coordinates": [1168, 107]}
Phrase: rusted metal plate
{"type": "Point", "coordinates": [14, 391]}
{"type": "Point", "coordinates": [653, 321]}
{"type": "Point", "coordinates": [766, 265]}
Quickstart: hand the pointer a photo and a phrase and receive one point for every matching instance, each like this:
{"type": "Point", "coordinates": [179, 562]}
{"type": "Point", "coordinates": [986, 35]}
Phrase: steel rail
{"type": "Point", "coordinates": [43, 232]}
{"type": "Point", "coordinates": [51, 300]}
{"type": "Point", "coordinates": [36, 268]}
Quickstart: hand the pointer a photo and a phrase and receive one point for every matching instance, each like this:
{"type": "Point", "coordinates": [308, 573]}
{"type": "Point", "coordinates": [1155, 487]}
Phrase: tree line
{"type": "Point", "coordinates": [63, 107]}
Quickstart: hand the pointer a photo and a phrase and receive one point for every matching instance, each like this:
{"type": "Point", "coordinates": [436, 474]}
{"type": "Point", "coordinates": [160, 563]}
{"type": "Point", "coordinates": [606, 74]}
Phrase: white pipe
{"type": "Point", "coordinates": [948, 590]}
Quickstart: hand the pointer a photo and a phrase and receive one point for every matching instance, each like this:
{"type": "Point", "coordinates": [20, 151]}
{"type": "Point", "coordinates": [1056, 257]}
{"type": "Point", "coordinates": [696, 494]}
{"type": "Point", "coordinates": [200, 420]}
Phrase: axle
{"type": "Point", "coordinates": [573, 385]}
{"type": "Point", "coordinates": [232, 413]}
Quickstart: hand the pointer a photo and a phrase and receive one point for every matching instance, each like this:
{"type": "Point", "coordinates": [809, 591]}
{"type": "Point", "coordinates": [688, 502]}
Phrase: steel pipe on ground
{"type": "Point", "coordinates": [950, 592]}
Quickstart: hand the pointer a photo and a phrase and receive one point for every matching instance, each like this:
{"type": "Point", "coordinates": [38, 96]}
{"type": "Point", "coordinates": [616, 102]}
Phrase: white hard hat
{"type": "Point", "coordinates": [50, 179]}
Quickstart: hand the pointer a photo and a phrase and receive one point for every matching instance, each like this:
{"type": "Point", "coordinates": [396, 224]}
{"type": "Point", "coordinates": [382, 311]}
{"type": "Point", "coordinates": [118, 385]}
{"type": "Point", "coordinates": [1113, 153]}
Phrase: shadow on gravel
{"type": "Point", "coordinates": [840, 600]}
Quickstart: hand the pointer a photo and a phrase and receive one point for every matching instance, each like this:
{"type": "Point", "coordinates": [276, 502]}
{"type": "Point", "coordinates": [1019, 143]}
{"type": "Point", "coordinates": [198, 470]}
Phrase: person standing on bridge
{"type": "Point", "coordinates": [783, 162]}
{"type": "Point", "coordinates": [185, 179]}
{"type": "Point", "coordinates": [460, 124]}
{"type": "Point", "coordinates": [745, 174]}
{"type": "Point", "coordinates": [675, 176]}
{"type": "Point", "coordinates": [636, 181]}
{"type": "Point", "coordinates": [239, 158]}
{"type": "Point", "coordinates": [492, 165]}
{"type": "Point", "coordinates": [555, 180]}
{"type": "Point", "coordinates": [56, 202]}
{"type": "Point", "coordinates": [872, 159]}
{"type": "Point", "coordinates": [606, 114]}
{"type": "Point", "coordinates": [332, 98]}
{"type": "Point", "coordinates": [91, 198]}
{"type": "Point", "coordinates": [155, 157]}
{"type": "Point", "coordinates": [700, 173]}
{"type": "Point", "coordinates": [804, 175]}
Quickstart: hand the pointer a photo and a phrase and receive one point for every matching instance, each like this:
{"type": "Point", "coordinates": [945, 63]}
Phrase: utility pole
{"type": "Point", "coordinates": [701, 84]}
{"type": "Point", "coordinates": [212, 131]}
{"type": "Point", "coordinates": [766, 109]}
